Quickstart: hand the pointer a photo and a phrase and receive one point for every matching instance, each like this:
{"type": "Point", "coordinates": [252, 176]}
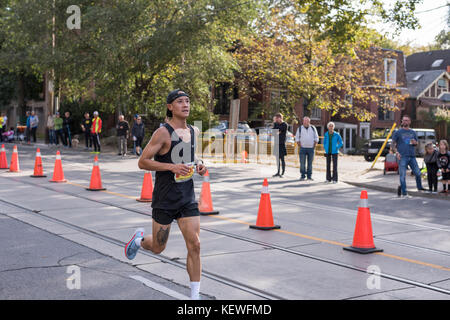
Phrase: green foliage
{"type": "Point", "coordinates": [7, 88]}
{"type": "Point", "coordinates": [134, 51]}
{"type": "Point", "coordinates": [129, 54]}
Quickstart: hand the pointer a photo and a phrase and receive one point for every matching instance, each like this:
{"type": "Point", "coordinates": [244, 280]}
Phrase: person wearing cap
{"type": "Point", "coordinates": [58, 123]}
{"type": "Point", "coordinates": [170, 153]}
{"type": "Point", "coordinates": [96, 129]}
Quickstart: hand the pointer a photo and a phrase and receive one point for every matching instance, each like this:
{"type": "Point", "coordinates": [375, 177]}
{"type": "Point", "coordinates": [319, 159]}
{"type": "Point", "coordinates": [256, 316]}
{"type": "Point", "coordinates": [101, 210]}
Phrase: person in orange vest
{"type": "Point", "coordinates": [96, 129]}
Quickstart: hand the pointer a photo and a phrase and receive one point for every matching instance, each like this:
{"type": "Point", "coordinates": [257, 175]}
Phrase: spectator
{"type": "Point", "coordinates": [96, 129]}
{"type": "Point", "coordinates": [58, 121]}
{"type": "Point", "coordinates": [5, 122]}
{"type": "Point", "coordinates": [34, 122]}
{"type": "Point", "coordinates": [307, 139]}
{"type": "Point", "coordinates": [280, 143]}
{"type": "Point", "coordinates": [2, 126]}
{"type": "Point", "coordinates": [122, 134]}
{"type": "Point", "coordinates": [28, 129]}
{"type": "Point", "coordinates": [67, 123]}
{"type": "Point", "coordinates": [443, 163]}
{"type": "Point", "coordinates": [86, 127]}
{"type": "Point", "coordinates": [332, 142]}
{"type": "Point", "coordinates": [8, 136]}
{"type": "Point", "coordinates": [138, 132]}
{"type": "Point", "coordinates": [430, 159]}
{"type": "Point", "coordinates": [51, 129]}
{"type": "Point", "coordinates": [404, 141]}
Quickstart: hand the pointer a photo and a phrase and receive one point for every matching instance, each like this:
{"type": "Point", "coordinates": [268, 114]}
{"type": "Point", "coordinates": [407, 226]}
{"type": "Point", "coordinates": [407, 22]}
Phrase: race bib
{"type": "Point", "coordinates": [179, 178]}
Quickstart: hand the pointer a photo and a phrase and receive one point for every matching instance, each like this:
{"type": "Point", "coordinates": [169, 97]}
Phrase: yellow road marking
{"type": "Point", "coordinates": [340, 244]}
{"type": "Point", "coordinates": [106, 191]}
{"type": "Point", "coordinates": [299, 235]}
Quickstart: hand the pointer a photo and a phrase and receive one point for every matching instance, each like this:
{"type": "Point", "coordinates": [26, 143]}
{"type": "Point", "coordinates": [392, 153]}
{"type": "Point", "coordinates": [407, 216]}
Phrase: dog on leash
{"type": "Point", "coordinates": [75, 142]}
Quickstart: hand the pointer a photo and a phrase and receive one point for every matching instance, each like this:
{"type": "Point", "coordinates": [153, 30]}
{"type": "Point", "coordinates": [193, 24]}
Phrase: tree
{"type": "Point", "coordinates": [290, 53]}
{"type": "Point", "coordinates": [128, 53]}
{"type": "Point", "coordinates": [341, 21]}
{"type": "Point", "coordinates": [443, 37]}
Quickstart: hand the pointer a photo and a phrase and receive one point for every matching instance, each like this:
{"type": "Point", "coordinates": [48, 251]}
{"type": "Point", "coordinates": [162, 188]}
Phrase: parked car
{"type": "Point", "coordinates": [372, 147]}
{"type": "Point", "coordinates": [244, 134]}
{"type": "Point", "coordinates": [265, 134]}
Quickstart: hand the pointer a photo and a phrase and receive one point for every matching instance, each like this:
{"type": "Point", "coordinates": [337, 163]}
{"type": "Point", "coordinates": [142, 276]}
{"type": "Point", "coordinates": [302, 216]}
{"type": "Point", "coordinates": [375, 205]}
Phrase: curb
{"type": "Point", "coordinates": [394, 190]}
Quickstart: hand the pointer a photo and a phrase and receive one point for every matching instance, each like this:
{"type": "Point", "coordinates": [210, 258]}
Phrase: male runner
{"type": "Point", "coordinates": [170, 153]}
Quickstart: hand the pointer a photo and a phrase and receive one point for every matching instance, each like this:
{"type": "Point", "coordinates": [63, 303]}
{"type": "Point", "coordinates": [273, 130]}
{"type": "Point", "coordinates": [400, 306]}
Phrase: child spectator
{"type": "Point", "coordinates": [443, 163]}
{"type": "Point", "coordinates": [8, 136]}
{"type": "Point", "coordinates": [430, 160]}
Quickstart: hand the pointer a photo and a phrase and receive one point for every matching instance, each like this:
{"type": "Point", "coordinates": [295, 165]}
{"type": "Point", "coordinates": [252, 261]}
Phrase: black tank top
{"type": "Point", "coordinates": [168, 194]}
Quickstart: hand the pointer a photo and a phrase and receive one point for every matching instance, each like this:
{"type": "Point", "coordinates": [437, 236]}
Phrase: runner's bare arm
{"type": "Point", "coordinates": [155, 145]}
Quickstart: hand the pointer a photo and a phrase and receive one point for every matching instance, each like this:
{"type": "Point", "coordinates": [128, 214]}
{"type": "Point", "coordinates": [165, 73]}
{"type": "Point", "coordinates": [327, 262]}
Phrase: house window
{"type": "Point", "coordinates": [390, 71]}
{"type": "Point", "coordinates": [384, 113]}
{"type": "Point", "coordinates": [442, 84]}
{"type": "Point", "coordinates": [277, 99]}
{"type": "Point", "coordinates": [348, 99]}
{"type": "Point", "coordinates": [316, 113]}
{"type": "Point", "coordinates": [222, 97]}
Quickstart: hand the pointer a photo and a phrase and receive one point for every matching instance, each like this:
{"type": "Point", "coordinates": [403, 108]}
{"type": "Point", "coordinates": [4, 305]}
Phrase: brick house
{"type": "Point", "coordinates": [391, 66]}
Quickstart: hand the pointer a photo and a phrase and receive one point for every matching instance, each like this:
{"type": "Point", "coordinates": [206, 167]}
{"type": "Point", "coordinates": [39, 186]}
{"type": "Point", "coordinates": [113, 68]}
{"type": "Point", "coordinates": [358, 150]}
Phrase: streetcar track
{"type": "Point", "coordinates": [216, 277]}
{"type": "Point", "coordinates": [172, 261]}
{"type": "Point", "coordinates": [440, 252]}
{"type": "Point", "coordinates": [375, 216]}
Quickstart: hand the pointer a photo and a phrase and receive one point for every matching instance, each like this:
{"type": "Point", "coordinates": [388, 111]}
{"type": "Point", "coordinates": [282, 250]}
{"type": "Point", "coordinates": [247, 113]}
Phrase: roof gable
{"type": "Point", "coordinates": [419, 81]}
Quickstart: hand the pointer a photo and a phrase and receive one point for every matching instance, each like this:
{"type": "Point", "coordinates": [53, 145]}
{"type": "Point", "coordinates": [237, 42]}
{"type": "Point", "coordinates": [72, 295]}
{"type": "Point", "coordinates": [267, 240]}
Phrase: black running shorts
{"type": "Point", "coordinates": [166, 217]}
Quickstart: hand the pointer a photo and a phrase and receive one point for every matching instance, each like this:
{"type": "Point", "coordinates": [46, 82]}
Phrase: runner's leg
{"type": "Point", "coordinates": [190, 228]}
{"type": "Point", "coordinates": [156, 242]}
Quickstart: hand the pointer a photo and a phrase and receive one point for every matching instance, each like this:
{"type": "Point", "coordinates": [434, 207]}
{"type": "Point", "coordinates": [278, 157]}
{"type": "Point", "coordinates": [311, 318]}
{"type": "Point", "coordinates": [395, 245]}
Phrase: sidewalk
{"type": "Point", "coordinates": [353, 170]}
{"type": "Point", "coordinates": [106, 148]}
{"type": "Point", "coordinates": [357, 172]}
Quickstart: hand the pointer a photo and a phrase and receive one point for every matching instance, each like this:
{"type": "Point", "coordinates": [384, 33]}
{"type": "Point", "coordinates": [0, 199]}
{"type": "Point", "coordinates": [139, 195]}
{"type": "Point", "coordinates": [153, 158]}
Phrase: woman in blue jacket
{"type": "Point", "coordinates": [332, 143]}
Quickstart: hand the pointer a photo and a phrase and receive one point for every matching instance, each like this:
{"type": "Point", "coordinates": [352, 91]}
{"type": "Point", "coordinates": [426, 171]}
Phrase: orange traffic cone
{"type": "Point", "coordinates": [38, 170]}
{"type": "Point", "coordinates": [244, 157]}
{"type": "Point", "coordinates": [14, 166]}
{"type": "Point", "coordinates": [205, 205]}
{"type": "Point", "coordinates": [3, 160]}
{"type": "Point", "coordinates": [265, 218]}
{"type": "Point", "coordinates": [96, 181]}
{"type": "Point", "coordinates": [363, 238]}
{"type": "Point", "coordinates": [58, 174]}
{"type": "Point", "coordinates": [147, 188]}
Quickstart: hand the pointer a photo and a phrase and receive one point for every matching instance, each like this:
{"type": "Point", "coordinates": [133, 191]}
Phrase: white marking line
{"type": "Point", "coordinates": [160, 288]}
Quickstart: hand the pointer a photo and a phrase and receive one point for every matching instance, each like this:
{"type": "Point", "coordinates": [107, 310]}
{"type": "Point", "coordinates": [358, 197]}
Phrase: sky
{"type": "Point", "coordinates": [431, 21]}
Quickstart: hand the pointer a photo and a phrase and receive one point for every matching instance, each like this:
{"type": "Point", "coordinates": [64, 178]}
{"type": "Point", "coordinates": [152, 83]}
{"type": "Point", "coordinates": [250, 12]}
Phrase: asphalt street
{"type": "Point", "coordinates": [62, 225]}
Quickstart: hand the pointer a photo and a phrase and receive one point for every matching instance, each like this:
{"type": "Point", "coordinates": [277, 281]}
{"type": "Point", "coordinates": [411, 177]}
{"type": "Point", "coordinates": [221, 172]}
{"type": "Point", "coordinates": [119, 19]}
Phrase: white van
{"type": "Point", "coordinates": [425, 136]}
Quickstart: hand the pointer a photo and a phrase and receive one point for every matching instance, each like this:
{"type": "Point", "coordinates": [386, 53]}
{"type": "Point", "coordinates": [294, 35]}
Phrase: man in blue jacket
{"type": "Point", "coordinates": [404, 141]}
{"type": "Point", "coordinates": [332, 142]}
